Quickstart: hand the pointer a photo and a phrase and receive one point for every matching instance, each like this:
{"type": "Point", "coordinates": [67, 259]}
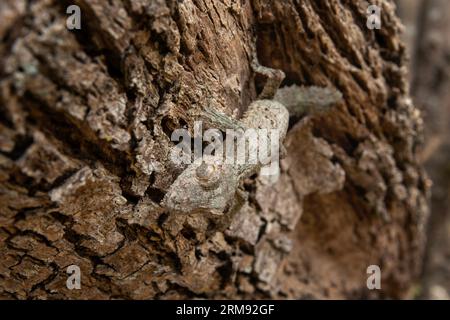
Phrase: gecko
{"type": "Point", "coordinates": [211, 185]}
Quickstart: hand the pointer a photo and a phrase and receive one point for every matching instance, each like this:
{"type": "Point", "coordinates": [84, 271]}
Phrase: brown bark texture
{"type": "Point", "coordinates": [85, 123]}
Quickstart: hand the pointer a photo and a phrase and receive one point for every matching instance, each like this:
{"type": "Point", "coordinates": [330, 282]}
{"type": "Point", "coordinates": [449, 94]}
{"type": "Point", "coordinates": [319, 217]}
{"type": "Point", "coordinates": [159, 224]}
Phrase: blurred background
{"type": "Point", "coordinates": [427, 38]}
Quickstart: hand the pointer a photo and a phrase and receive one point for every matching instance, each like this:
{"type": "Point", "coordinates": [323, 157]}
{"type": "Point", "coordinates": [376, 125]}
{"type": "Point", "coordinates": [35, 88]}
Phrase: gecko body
{"type": "Point", "coordinates": [211, 186]}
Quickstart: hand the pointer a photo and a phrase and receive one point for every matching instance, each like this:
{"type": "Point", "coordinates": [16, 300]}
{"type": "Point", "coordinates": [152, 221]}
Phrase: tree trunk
{"type": "Point", "coordinates": [430, 74]}
{"type": "Point", "coordinates": [86, 119]}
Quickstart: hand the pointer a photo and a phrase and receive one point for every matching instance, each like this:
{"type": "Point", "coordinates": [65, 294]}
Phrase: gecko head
{"type": "Point", "coordinates": [202, 187]}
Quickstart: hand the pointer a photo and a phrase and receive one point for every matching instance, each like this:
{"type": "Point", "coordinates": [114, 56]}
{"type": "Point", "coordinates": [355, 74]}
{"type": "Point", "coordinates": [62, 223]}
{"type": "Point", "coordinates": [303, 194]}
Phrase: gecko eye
{"type": "Point", "coordinates": [208, 175]}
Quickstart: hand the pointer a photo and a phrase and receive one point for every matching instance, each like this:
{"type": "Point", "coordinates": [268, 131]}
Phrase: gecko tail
{"type": "Point", "coordinates": [300, 100]}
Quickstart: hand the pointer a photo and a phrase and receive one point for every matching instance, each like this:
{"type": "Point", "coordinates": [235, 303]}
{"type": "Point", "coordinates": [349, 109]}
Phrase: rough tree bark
{"type": "Point", "coordinates": [86, 117]}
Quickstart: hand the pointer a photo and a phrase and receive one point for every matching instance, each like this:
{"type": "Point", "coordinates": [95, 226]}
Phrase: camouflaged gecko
{"type": "Point", "coordinates": [213, 185]}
